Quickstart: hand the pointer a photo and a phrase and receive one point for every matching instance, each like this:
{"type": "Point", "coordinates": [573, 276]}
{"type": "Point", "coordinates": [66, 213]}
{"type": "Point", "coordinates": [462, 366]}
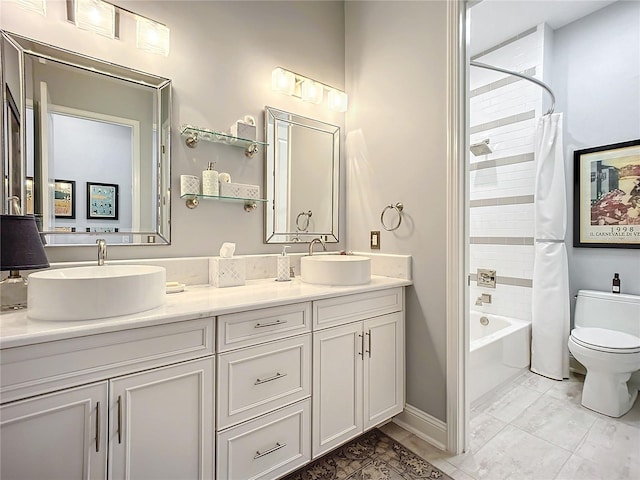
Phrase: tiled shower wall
{"type": "Point", "coordinates": [505, 110]}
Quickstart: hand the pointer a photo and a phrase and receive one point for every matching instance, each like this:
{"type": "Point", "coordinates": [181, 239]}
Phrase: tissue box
{"type": "Point", "coordinates": [243, 130]}
{"type": "Point", "coordinates": [239, 190]}
{"type": "Point", "coordinates": [227, 272]}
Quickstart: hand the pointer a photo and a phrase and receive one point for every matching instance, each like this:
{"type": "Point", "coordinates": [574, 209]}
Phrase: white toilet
{"type": "Point", "coordinates": [606, 340]}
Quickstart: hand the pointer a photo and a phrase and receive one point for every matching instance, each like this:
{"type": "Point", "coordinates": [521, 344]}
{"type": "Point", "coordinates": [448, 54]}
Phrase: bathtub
{"type": "Point", "coordinates": [499, 351]}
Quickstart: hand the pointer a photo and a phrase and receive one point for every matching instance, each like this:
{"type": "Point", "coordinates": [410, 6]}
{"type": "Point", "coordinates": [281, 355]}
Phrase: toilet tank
{"type": "Point", "coordinates": [615, 311]}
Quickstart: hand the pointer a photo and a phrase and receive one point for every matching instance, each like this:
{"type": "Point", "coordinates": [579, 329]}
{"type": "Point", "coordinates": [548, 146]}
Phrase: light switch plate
{"type": "Point", "coordinates": [374, 240]}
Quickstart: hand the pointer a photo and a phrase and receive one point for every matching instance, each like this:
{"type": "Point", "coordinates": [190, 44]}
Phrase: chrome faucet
{"type": "Point", "coordinates": [313, 242]}
{"type": "Point", "coordinates": [102, 251]}
{"type": "Point", "coordinates": [484, 298]}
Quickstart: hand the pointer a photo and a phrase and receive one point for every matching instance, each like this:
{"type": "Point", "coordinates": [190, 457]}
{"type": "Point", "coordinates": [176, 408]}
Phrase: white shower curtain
{"type": "Point", "coordinates": [550, 298]}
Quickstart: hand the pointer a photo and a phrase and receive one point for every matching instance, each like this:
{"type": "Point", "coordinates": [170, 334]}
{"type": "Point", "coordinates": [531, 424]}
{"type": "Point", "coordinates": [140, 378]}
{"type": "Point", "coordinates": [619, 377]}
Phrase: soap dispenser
{"type": "Point", "coordinates": [282, 266]}
{"type": "Point", "coordinates": [210, 184]}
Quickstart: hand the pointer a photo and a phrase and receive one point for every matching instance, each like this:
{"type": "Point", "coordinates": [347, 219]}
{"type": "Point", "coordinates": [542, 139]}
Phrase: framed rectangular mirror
{"type": "Point", "coordinates": [302, 178]}
{"type": "Point", "coordinates": [86, 122]}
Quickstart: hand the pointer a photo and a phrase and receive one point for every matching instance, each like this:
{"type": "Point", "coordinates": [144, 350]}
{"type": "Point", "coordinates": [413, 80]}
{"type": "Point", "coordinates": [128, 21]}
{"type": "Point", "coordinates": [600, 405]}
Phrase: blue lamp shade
{"type": "Point", "coordinates": [20, 244]}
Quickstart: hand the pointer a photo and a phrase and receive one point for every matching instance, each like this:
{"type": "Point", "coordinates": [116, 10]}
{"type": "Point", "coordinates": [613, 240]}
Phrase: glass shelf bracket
{"type": "Point", "coordinates": [250, 204]}
{"type": "Point", "coordinates": [194, 134]}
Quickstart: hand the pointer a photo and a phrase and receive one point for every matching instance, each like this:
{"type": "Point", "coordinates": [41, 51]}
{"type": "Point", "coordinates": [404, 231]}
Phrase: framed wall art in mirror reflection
{"type": "Point", "coordinates": [28, 193]}
{"type": "Point", "coordinates": [64, 198]}
{"type": "Point", "coordinates": [607, 196]}
{"type": "Point", "coordinates": [102, 201]}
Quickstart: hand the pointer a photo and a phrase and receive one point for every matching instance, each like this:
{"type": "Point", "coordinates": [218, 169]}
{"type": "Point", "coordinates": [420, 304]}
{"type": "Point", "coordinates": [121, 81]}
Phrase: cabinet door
{"type": "Point", "coordinates": [162, 423]}
{"type": "Point", "coordinates": [383, 368]}
{"type": "Point", "coordinates": [337, 386]}
{"type": "Point", "coordinates": [62, 435]}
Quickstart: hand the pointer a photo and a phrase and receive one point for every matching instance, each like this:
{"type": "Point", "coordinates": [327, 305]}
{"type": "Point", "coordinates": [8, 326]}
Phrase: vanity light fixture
{"type": "Point", "coordinates": [104, 18]}
{"type": "Point", "coordinates": [38, 6]}
{"type": "Point", "coordinates": [95, 15]}
{"type": "Point", "coordinates": [152, 36]}
{"type": "Point", "coordinates": [307, 89]}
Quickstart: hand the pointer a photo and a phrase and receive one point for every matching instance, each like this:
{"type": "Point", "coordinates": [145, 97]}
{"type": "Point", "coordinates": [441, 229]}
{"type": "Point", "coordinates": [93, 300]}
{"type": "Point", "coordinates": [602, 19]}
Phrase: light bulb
{"type": "Point", "coordinates": [97, 16]}
{"type": "Point", "coordinates": [337, 100]}
{"type": "Point", "coordinates": [283, 81]}
{"type": "Point", "coordinates": [38, 6]}
{"type": "Point", "coordinates": [312, 91]}
{"type": "Point", "coordinates": [152, 36]}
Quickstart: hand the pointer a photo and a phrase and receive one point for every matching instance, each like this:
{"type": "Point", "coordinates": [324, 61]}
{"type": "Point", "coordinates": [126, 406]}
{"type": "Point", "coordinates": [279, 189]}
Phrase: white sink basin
{"type": "Point", "coordinates": [336, 269]}
{"type": "Point", "coordinates": [85, 293]}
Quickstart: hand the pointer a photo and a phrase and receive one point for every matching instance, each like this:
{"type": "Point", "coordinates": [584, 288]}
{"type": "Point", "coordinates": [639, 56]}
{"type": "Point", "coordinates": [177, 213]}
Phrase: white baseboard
{"type": "Point", "coordinates": [423, 425]}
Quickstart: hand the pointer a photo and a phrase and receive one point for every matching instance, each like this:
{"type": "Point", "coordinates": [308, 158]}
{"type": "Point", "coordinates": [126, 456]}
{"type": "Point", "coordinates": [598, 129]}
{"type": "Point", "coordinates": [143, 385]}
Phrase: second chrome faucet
{"type": "Point", "coordinates": [313, 242]}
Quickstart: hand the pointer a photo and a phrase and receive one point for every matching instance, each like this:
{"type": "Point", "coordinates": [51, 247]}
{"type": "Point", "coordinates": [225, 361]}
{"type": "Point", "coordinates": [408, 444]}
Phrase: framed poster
{"type": "Point", "coordinates": [64, 198]}
{"type": "Point", "coordinates": [102, 201]}
{"type": "Point", "coordinates": [606, 203]}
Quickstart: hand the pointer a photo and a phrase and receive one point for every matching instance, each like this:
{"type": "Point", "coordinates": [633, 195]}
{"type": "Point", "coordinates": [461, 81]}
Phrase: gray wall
{"type": "Point", "coordinates": [396, 152]}
{"type": "Point", "coordinates": [221, 58]}
{"type": "Point", "coordinates": [596, 79]}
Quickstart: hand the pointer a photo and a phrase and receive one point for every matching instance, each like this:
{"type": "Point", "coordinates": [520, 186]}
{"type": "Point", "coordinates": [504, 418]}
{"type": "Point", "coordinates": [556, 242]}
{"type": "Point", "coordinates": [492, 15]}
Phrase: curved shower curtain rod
{"type": "Point", "coordinates": [516, 74]}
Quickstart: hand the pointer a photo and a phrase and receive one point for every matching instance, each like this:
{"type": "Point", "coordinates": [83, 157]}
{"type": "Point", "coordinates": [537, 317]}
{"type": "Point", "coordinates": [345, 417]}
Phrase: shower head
{"type": "Point", "coordinates": [481, 148]}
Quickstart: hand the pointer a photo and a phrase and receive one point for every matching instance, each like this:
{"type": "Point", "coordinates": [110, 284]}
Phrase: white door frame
{"type": "Point", "coordinates": [457, 249]}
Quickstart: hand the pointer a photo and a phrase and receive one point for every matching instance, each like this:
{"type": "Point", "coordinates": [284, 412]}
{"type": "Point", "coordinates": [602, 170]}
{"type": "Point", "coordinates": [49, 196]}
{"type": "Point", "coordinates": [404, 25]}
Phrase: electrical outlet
{"type": "Point", "coordinates": [374, 239]}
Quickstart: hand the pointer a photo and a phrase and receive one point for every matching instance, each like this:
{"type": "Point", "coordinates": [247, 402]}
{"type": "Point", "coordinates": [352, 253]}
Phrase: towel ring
{"type": "Point", "coordinates": [398, 207]}
{"type": "Point", "coordinates": [306, 217]}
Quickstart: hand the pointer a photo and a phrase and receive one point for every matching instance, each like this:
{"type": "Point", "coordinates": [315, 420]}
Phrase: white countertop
{"type": "Point", "coordinates": [197, 301]}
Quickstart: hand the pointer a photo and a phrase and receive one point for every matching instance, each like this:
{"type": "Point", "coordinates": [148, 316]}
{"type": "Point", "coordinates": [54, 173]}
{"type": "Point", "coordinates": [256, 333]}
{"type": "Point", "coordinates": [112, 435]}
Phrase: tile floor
{"type": "Point", "coordinates": [535, 429]}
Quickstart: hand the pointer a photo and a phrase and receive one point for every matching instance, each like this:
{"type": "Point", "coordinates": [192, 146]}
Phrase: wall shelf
{"type": "Point", "coordinates": [250, 204]}
{"type": "Point", "coordinates": [194, 134]}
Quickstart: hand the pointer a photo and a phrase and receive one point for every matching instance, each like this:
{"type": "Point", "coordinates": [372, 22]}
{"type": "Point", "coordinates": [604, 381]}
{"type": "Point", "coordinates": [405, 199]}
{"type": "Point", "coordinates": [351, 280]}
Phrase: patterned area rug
{"type": "Point", "coordinates": [372, 456]}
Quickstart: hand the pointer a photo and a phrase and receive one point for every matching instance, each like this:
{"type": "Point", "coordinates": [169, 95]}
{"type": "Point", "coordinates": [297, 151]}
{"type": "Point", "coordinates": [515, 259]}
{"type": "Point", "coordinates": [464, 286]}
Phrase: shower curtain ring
{"type": "Point", "coordinates": [398, 207]}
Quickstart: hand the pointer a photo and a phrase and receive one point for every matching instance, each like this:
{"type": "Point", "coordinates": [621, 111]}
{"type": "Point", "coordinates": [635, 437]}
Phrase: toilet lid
{"type": "Point", "coordinates": [607, 340]}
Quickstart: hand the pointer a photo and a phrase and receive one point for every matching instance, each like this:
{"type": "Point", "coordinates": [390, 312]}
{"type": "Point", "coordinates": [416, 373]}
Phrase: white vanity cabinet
{"type": "Point", "coordinates": [358, 367]}
{"type": "Point", "coordinates": [147, 414]}
{"type": "Point", "coordinates": [249, 394]}
{"type": "Point", "coordinates": [263, 405]}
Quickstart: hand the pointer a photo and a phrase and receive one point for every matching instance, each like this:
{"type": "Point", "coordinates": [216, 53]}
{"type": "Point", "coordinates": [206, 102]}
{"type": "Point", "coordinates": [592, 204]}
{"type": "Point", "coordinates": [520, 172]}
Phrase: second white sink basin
{"type": "Point", "coordinates": [86, 293]}
{"type": "Point", "coordinates": [336, 269]}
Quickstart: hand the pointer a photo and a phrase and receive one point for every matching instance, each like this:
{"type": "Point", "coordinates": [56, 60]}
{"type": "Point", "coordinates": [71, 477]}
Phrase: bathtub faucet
{"type": "Point", "coordinates": [482, 299]}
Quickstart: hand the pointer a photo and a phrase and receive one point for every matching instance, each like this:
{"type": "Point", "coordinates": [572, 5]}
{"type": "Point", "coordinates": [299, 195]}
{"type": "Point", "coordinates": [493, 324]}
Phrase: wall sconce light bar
{"type": "Point", "coordinates": [151, 36]}
{"type": "Point", "coordinates": [38, 6]}
{"type": "Point", "coordinates": [307, 89]}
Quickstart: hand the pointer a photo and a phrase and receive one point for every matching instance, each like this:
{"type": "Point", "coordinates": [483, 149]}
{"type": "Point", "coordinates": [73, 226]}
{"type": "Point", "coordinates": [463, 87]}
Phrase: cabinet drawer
{"type": "Point", "coordinates": [267, 447]}
{"type": "Point", "coordinates": [350, 308]}
{"type": "Point", "coordinates": [259, 379]}
{"type": "Point", "coordinates": [43, 367]}
{"type": "Point", "coordinates": [258, 326]}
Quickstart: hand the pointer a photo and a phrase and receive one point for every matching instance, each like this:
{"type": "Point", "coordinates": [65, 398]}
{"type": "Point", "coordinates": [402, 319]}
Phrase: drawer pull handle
{"type": "Point", "coordinates": [97, 427]}
{"type": "Point", "coordinates": [269, 379]}
{"type": "Point", "coordinates": [272, 324]}
{"type": "Point", "coordinates": [361, 352]}
{"type": "Point", "coordinates": [369, 335]}
{"type": "Point", "coordinates": [119, 419]}
{"type": "Point", "coordinates": [271, 450]}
